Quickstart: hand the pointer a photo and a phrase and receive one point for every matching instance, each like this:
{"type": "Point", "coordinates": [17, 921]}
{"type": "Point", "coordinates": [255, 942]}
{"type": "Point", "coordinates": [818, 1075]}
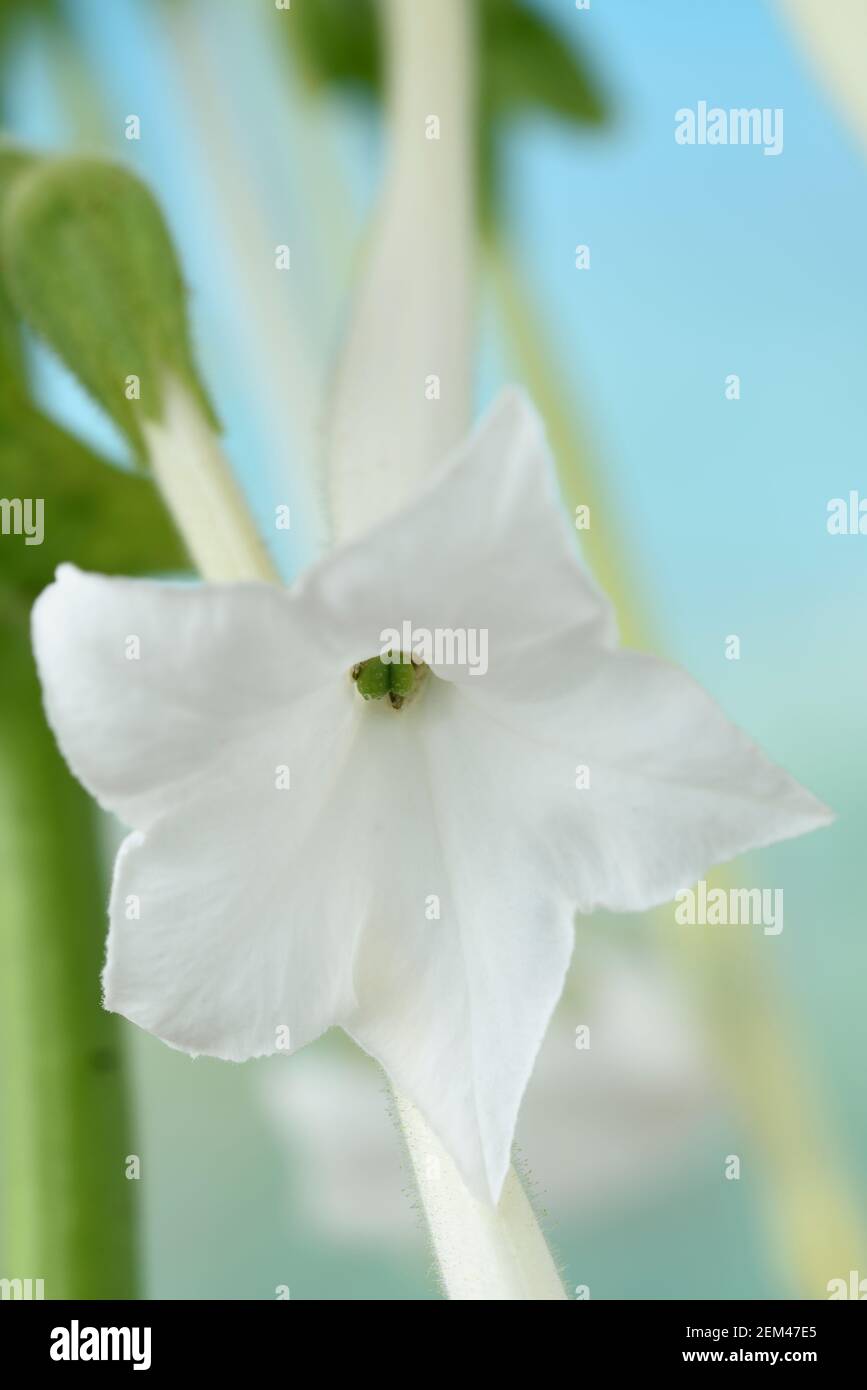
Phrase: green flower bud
{"type": "Point", "coordinates": [89, 264]}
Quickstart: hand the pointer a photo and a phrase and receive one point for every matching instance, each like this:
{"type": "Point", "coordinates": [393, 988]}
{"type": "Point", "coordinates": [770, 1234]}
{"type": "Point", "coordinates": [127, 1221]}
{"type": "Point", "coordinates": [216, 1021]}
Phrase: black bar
{"type": "Point", "coordinates": [250, 1336]}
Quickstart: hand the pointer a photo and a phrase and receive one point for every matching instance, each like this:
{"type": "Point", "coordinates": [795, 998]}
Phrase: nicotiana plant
{"type": "Point", "coordinates": [302, 853]}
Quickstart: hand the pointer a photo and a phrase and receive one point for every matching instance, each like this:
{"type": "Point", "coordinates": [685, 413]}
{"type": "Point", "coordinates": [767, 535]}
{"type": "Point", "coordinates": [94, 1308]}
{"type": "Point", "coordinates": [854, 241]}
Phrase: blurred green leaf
{"type": "Point", "coordinates": [11, 350]}
{"type": "Point", "coordinates": [16, 12]}
{"type": "Point", "coordinates": [525, 62]}
{"type": "Point", "coordinates": [12, 162]}
{"type": "Point", "coordinates": [16, 17]}
{"type": "Point", "coordinates": [96, 515]}
{"type": "Point", "coordinates": [338, 43]}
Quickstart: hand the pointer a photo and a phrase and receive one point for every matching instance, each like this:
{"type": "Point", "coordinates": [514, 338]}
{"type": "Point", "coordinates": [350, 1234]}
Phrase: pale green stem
{"type": "Point", "coordinates": [69, 1208]}
{"type": "Point", "coordinates": [69, 1204]}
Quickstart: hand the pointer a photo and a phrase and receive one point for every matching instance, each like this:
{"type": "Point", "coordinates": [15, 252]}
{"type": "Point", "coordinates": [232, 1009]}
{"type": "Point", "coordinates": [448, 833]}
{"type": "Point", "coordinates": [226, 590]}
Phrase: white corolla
{"type": "Point", "coordinates": [407, 867]}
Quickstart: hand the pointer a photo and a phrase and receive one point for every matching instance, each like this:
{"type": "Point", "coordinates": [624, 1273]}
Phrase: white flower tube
{"type": "Point", "coordinates": [483, 1253]}
{"type": "Point", "coordinates": [403, 391]}
{"type": "Point", "coordinates": [403, 400]}
{"type": "Point", "coordinates": [202, 494]}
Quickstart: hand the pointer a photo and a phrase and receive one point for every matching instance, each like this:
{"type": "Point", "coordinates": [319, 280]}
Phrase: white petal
{"type": "Point", "coordinates": [484, 545]}
{"type": "Point", "coordinates": [489, 819]}
{"type": "Point", "coordinates": [234, 918]}
{"type": "Point", "coordinates": [455, 1008]}
{"type": "Point", "coordinates": [213, 663]}
{"type": "Point", "coordinates": [675, 788]}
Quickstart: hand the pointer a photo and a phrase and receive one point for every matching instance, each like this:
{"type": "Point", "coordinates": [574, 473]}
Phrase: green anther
{"type": "Point", "coordinates": [372, 678]}
{"type": "Point", "coordinates": [396, 677]}
{"type": "Point", "coordinates": [402, 678]}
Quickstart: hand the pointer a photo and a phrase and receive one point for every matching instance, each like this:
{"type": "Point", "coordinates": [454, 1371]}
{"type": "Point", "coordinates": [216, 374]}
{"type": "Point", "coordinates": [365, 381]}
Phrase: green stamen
{"type": "Point", "coordinates": [396, 676]}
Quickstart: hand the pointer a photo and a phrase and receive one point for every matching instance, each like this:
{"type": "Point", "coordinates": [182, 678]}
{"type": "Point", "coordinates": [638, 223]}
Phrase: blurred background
{"type": "Point", "coordinates": [262, 126]}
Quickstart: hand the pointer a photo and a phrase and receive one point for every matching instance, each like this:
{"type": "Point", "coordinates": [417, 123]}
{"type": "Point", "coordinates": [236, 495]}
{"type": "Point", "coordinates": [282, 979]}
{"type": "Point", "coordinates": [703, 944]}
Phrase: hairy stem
{"type": "Point", "coordinates": [483, 1253]}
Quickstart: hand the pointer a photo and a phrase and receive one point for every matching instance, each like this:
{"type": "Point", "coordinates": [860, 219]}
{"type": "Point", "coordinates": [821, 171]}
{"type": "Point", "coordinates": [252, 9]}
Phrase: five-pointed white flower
{"type": "Point", "coordinates": [261, 907]}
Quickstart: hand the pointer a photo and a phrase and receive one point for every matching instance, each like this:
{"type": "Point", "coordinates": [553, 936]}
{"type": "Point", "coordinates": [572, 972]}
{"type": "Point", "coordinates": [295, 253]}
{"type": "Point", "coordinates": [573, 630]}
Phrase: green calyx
{"type": "Point", "coordinates": [88, 263]}
{"type": "Point", "coordinates": [395, 674]}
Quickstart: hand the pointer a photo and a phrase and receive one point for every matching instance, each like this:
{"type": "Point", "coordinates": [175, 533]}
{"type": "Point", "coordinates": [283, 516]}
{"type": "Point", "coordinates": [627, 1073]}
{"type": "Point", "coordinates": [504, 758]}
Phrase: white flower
{"type": "Point", "coordinates": [241, 908]}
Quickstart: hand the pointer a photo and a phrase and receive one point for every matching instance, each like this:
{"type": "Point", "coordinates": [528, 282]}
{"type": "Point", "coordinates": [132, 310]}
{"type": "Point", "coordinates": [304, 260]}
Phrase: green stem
{"type": "Point", "coordinates": [69, 1217]}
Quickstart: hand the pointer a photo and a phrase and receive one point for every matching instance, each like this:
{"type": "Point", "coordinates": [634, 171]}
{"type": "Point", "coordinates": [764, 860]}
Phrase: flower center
{"type": "Point", "coordinates": [399, 675]}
